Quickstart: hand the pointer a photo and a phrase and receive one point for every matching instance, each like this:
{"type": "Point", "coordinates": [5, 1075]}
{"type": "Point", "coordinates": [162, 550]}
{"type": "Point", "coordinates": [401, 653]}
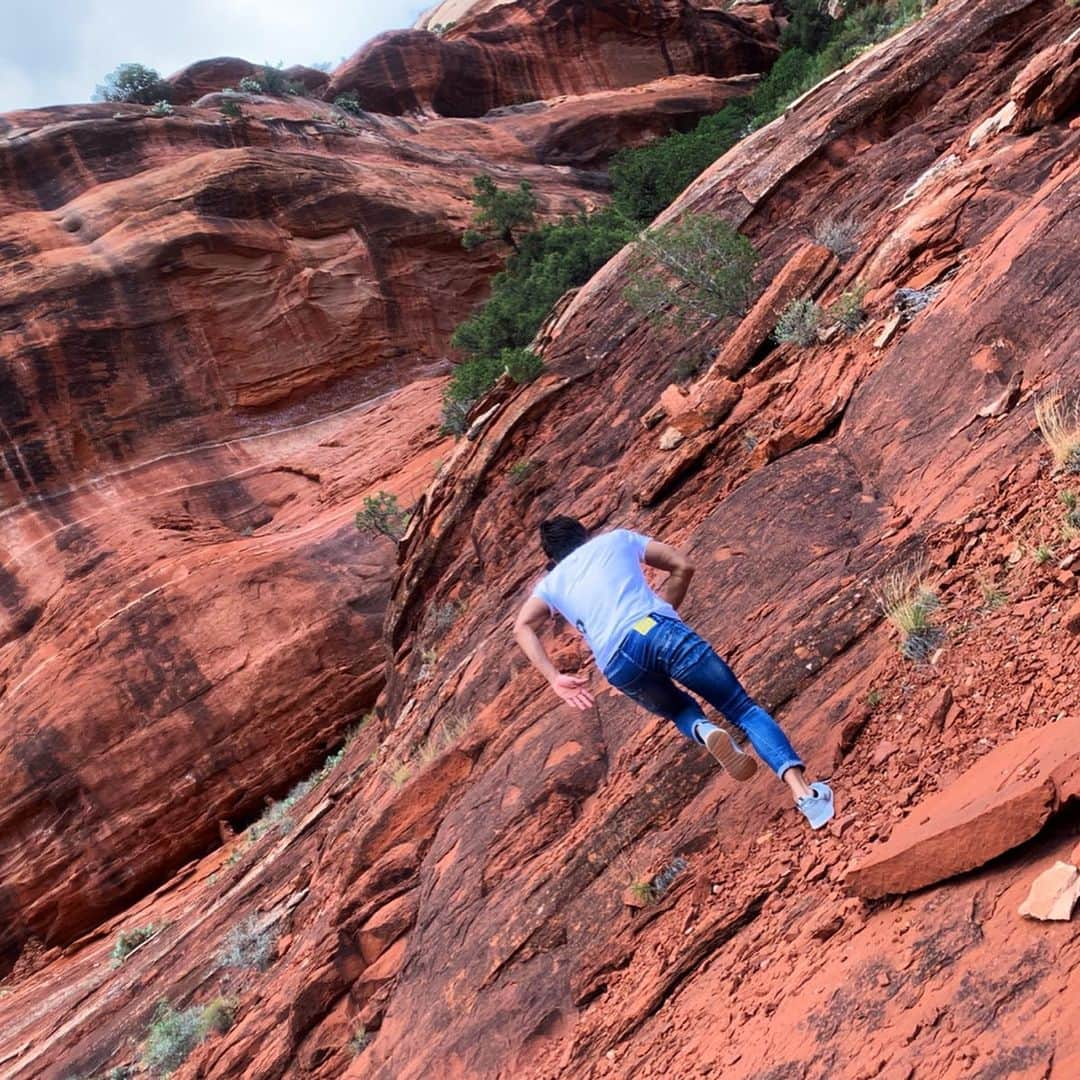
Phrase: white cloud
{"type": "Point", "coordinates": [56, 51]}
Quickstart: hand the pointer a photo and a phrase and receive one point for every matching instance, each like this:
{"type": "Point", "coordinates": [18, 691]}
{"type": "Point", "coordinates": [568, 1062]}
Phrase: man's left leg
{"type": "Point", "coordinates": [696, 665]}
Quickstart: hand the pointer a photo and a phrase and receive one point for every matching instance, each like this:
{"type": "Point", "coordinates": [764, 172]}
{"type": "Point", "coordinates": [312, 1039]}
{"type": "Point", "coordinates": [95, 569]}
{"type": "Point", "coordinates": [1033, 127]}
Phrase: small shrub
{"type": "Point", "coordinates": [1058, 418]}
{"type": "Point", "coordinates": [687, 367]}
{"type": "Point", "coordinates": [706, 271]}
{"type": "Point", "coordinates": [873, 699]}
{"type": "Point", "coordinates": [231, 110]}
{"type": "Point", "coordinates": [521, 470]}
{"type": "Point", "coordinates": [442, 617]}
{"type": "Point", "coordinates": [993, 596]}
{"type": "Point", "coordinates": [349, 102]}
{"type": "Point", "coordinates": [171, 1038]}
{"type": "Point", "coordinates": [134, 83]}
{"type": "Point", "coordinates": [471, 380]}
{"type": "Point", "coordinates": [799, 323]}
{"type": "Point", "coordinates": [129, 940]}
{"type": "Point", "coordinates": [908, 602]}
{"type": "Point", "coordinates": [400, 773]}
{"type": "Point", "coordinates": [217, 1017]}
{"type": "Point", "coordinates": [161, 108]}
{"type": "Point", "coordinates": [848, 310]}
{"type": "Point", "coordinates": [359, 1041]}
{"type": "Point", "coordinates": [839, 235]}
{"type": "Point", "coordinates": [173, 1034]}
{"type": "Point", "coordinates": [250, 85]}
{"type": "Point", "coordinates": [382, 516]}
{"type": "Point", "coordinates": [1043, 554]}
{"type": "Point", "coordinates": [499, 214]}
{"type": "Point", "coordinates": [642, 891]}
{"type": "Point", "coordinates": [249, 944]}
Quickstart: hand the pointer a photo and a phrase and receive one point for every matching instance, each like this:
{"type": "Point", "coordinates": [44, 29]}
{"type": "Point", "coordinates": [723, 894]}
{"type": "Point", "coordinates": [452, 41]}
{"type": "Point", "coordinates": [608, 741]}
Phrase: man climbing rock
{"type": "Point", "coordinates": [643, 648]}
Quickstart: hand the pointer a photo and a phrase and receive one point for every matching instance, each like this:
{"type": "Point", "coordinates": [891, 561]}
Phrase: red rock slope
{"type": "Point", "coordinates": [468, 918]}
{"type": "Point", "coordinates": [200, 317]}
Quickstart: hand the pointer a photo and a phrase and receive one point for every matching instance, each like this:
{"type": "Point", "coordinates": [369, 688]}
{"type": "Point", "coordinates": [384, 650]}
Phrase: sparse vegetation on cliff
{"type": "Point", "coordinates": [382, 516]}
{"type": "Point", "coordinates": [1058, 418]}
{"type": "Point", "coordinates": [707, 271]}
{"type": "Point", "coordinates": [173, 1034]}
{"type": "Point", "coordinates": [848, 311]}
{"type": "Point", "coordinates": [133, 83]}
{"type": "Point", "coordinates": [799, 324]}
{"type": "Point", "coordinates": [648, 179]}
{"type": "Point", "coordinates": [500, 214]}
{"type": "Point", "coordinates": [908, 601]}
{"type": "Point", "coordinates": [247, 945]}
{"type": "Point", "coordinates": [128, 941]}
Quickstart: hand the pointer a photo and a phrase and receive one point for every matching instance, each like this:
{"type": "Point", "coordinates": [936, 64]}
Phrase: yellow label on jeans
{"type": "Point", "coordinates": [643, 626]}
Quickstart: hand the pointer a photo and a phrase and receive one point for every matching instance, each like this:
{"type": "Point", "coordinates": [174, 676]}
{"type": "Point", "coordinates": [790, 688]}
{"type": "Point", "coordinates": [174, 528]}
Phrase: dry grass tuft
{"type": "Point", "coordinates": [907, 598]}
{"type": "Point", "coordinates": [1058, 417]}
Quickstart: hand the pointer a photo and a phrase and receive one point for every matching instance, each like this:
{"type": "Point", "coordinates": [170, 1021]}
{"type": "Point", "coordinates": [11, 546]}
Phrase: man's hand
{"type": "Point", "coordinates": [571, 689]}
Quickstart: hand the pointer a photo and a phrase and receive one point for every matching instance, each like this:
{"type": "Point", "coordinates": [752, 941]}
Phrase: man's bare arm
{"type": "Point", "coordinates": [571, 688]}
{"type": "Point", "coordinates": [680, 571]}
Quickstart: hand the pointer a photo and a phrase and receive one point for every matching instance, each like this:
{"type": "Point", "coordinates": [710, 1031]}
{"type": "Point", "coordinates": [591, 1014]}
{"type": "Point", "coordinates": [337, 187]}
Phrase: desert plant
{"type": "Point", "coordinates": [1043, 554]}
{"type": "Point", "coordinates": [442, 617]}
{"type": "Point", "coordinates": [643, 891]}
{"type": "Point", "coordinates": [250, 85]}
{"type": "Point", "coordinates": [231, 110]}
{"type": "Point", "coordinates": [848, 310]}
{"type": "Point", "coordinates": [400, 772]}
{"type": "Point", "coordinates": [171, 1037]}
{"type": "Point", "coordinates": [218, 1016]}
{"type": "Point", "coordinates": [382, 516]}
{"type": "Point", "coordinates": [839, 235]}
{"type": "Point", "coordinates": [1070, 527]}
{"type": "Point", "coordinates": [471, 380]}
{"type": "Point", "coordinates": [173, 1034]}
{"type": "Point", "coordinates": [706, 271]}
{"type": "Point", "coordinates": [908, 601]}
{"type": "Point", "coordinates": [688, 366]}
{"type": "Point", "coordinates": [249, 944]}
{"type": "Point", "coordinates": [873, 699]}
{"type": "Point", "coordinates": [134, 83]}
{"type": "Point", "coordinates": [128, 941]}
{"type": "Point", "coordinates": [521, 470]}
{"type": "Point", "coordinates": [349, 102]}
{"type": "Point", "coordinates": [799, 323]}
{"type": "Point", "coordinates": [1058, 417]}
{"type": "Point", "coordinates": [993, 596]}
{"type": "Point", "coordinates": [499, 214]}
{"type": "Point", "coordinates": [359, 1040]}
{"type": "Point", "coordinates": [161, 108]}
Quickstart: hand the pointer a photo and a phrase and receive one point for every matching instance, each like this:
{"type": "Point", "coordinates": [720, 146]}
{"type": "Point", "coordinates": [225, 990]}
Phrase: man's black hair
{"type": "Point", "coordinates": [559, 536]}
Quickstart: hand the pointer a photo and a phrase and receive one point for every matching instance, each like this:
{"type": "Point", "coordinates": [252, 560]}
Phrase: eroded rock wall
{"type": "Point", "coordinates": [468, 912]}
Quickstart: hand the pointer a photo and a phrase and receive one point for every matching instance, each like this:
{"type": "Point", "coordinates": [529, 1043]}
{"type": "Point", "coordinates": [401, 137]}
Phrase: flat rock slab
{"type": "Point", "coordinates": [1004, 799]}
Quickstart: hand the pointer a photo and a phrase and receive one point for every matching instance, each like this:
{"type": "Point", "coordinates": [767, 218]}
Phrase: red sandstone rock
{"type": "Point", "coordinates": [511, 54]}
{"type": "Point", "coordinates": [511, 839]}
{"type": "Point", "coordinates": [1004, 799]}
{"type": "Point", "coordinates": [1048, 88]}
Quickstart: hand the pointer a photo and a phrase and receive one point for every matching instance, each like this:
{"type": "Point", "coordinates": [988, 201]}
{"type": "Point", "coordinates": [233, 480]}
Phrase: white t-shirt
{"type": "Point", "coordinates": [601, 590]}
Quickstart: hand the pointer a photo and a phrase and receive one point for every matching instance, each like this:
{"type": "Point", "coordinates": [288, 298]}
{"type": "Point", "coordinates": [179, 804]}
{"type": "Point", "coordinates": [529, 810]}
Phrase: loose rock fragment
{"type": "Point", "coordinates": [1053, 894]}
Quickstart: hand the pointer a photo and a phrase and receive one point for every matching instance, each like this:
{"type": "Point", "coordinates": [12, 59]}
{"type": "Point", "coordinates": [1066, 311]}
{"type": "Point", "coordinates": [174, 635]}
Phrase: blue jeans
{"type": "Point", "coordinates": [645, 665]}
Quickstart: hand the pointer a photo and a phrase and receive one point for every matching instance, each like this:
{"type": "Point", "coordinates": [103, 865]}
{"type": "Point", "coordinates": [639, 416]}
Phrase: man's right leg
{"type": "Point", "coordinates": [656, 692]}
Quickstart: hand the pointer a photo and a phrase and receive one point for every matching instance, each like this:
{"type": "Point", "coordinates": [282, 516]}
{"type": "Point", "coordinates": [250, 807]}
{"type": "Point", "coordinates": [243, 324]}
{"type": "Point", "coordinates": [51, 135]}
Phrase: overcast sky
{"type": "Point", "coordinates": [55, 52]}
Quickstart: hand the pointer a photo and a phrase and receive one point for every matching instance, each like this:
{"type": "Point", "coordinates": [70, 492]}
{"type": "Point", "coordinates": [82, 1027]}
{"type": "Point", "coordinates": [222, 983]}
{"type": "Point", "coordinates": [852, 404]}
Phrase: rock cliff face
{"type": "Point", "coordinates": [202, 319]}
{"type": "Point", "coordinates": [450, 899]}
{"type": "Point", "coordinates": [505, 54]}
